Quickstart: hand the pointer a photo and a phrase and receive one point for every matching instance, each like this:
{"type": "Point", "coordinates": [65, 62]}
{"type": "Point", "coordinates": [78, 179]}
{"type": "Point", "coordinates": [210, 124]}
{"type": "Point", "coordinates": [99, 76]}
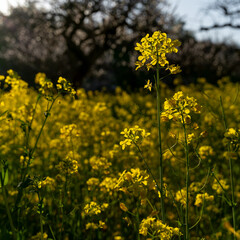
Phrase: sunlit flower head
{"type": "Point", "coordinates": [154, 49]}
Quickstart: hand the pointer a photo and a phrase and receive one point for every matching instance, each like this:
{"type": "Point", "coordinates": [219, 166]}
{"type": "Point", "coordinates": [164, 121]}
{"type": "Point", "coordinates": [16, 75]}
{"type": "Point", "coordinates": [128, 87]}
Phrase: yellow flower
{"type": "Point", "coordinates": [148, 85]}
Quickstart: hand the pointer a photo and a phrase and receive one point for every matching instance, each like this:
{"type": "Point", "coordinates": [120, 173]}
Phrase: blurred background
{"type": "Point", "coordinates": [91, 42]}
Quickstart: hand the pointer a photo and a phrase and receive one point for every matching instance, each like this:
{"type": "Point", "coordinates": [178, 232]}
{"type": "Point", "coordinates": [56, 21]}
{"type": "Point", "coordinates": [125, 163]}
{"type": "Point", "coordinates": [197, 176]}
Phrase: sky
{"type": "Point", "coordinates": [193, 12]}
{"type": "Point", "coordinates": [196, 15]}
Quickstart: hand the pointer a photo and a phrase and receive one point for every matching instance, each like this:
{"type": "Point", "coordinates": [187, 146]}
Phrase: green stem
{"type": "Point", "coordinates": [224, 191]}
{"type": "Point", "coordinates": [8, 212]}
{"type": "Point", "coordinates": [30, 154]}
{"type": "Point", "coordinates": [148, 168]}
{"type": "Point", "coordinates": [52, 232]}
{"type": "Point", "coordinates": [223, 114]}
{"type": "Point", "coordinates": [40, 213]}
{"type": "Point", "coordinates": [187, 179]}
{"type": "Point", "coordinates": [231, 173]}
{"type": "Point", "coordinates": [138, 222]}
{"type": "Point", "coordinates": [160, 143]}
{"type": "Point", "coordinates": [41, 225]}
{"type": "Point", "coordinates": [233, 201]}
{"type": "Point", "coordinates": [30, 124]}
{"type": "Point", "coordinates": [44, 122]}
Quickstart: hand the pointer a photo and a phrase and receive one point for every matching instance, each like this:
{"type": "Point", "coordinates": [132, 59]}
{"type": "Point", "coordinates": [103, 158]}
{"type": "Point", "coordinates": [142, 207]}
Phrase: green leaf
{"type": "Point", "coordinates": [3, 113]}
{"type": "Point", "coordinates": [4, 176]}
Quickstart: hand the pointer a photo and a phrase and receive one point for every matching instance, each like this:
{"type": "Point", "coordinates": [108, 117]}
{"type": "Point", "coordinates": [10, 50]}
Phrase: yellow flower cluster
{"type": "Point", "coordinates": [157, 229]}
{"type": "Point", "coordinates": [154, 49]}
{"type": "Point", "coordinates": [93, 208]}
{"type": "Point", "coordinates": [94, 226]}
{"type": "Point", "coordinates": [179, 108]}
{"type": "Point", "coordinates": [68, 165]}
{"type": "Point", "coordinates": [206, 152]}
{"type": "Point", "coordinates": [233, 136]}
{"type": "Point", "coordinates": [108, 184]}
{"type": "Point", "coordinates": [100, 163]}
{"type": "Point", "coordinates": [45, 84]}
{"type": "Point", "coordinates": [135, 182]}
{"type": "Point", "coordinates": [181, 196]}
{"type": "Point", "coordinates": [38, 236]}
{"type": "Point", "coordinates": [13, 80]}
{"type": "Point", "coordinates": [69, 131]}
{"type": "Point", "coordinates": [65, 85]}
{"type": "Point", "coordinates": [92, 183]}
{"type": "Point", "coordinates": [232, 133]}
{"type": "Point", "coordinates": [203, 197]}
{"type": "Point", "coordinates": [190, 138]}
{"type": "Point", "coordinates": [219, 188]}
{"type": "Point", "coordinates": [132, 135]}
{"type": "Point", "coordinates": [48, 181]}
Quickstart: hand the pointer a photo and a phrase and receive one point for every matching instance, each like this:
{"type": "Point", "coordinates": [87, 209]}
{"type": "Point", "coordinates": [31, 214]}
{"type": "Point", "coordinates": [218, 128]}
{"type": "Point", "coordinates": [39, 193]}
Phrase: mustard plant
{"type": "Point", "coordinates": [153, 54]}
{"type": "Point", "coordinates": [179, 109]}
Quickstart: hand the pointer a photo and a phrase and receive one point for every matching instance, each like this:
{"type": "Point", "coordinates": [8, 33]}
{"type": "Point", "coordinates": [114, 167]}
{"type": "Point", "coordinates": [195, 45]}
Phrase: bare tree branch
{"type": "Point", "coordinates": [220, 26]}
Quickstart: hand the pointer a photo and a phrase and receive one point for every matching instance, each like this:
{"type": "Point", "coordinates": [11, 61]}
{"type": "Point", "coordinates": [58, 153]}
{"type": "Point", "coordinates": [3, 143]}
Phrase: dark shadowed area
{"type": "Point", "coordinates": [91, 42]}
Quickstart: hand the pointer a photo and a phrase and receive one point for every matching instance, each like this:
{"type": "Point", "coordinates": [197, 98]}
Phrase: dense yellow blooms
{"type": "Point", "coordinates": [68, 165]}
{"type": "Point", "coordinates": [200, 198]}
{"type": "Point", "coordinates": [206, 152]}
{"type": "Point", "coordinates": [154, 49]}
{"type": "Point", "coordinates": [219, 188]}
{"type": "Point", "coordinates": [108, 184]}
{"type": "Point", "coordinates": [63, 84]}
{"type": "Point", "coordinates": [100, 163]}
{"type": "Point", "coordinates": [69, 131]}
{"type": "Point", "coordinates": [82, 174]}
{"type": "Point", "coordinates": [48, 181]}
{"type": "Point", "coordinates": [135, 182]}
{"type": "Point", "coordinates": [157, 229]}
{"type": "Point", "coordinates": [94, 209]}
{"type": "Point", "coordinates": [133, 135]}
{"type": "Point", "coordinates": [180, 108]}
{"type": "Point", "coordinates": [181, 196]}
{"type": "Point", "coordinates": [45, 84]}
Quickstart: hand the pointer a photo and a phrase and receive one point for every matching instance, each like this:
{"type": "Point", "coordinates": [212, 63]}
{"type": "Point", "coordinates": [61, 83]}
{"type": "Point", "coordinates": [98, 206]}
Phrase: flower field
{"type": "Point", "coordinates": [89, 165]}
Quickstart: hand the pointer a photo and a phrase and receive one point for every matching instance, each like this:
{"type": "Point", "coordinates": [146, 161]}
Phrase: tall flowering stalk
{"type": "Point", "coordinates": [179, 109]}
{"type": "Point", "coordinates": [153, 55]}
{"type": "Point", "coordinates": [232, 138]}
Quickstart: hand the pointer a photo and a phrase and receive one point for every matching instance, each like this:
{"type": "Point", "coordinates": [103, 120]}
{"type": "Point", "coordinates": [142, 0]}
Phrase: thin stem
{"type": "Point", "coordinates": [160, 143]}
{"type": "Point", "coordinates": [231, 173]}
{"type": "Point", "coordinates": [30, 124]}
{"type": "Point", "coordinates": [148, 168]}
{"type": "Point", "coordinates": [51, 231]}
{"type": "Point", "coordinates": [41, 224]}
{"type": "Point", "coordinates": [138, 221]}
{"type": "Point", "coordinates": [44, 122]}
{"type": "Point", "coordinates": [201, 213]}
{"type": "Point", "coordinates": [232, 190]}
{"type": "Point", "coordinates": [224, 191]}
{"type": "Point", "coordinates": [223, 114]}
{"type": "Point", "coordinates": [40, 213]}
{"type": "Point", "coordinates": [30, 153]}
{"type": "Point", "coordinates": [8, 212]}
{"type": "Point", "coordinates": [187, 179]}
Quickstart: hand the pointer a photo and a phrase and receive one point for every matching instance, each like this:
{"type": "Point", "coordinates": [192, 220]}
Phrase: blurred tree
{"type": "Point", "coordinates": [207, 59]}
{"type": "Point", "coordinates": [82, 39]}
{"type": "Point", "coordinates": [229, 11]}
